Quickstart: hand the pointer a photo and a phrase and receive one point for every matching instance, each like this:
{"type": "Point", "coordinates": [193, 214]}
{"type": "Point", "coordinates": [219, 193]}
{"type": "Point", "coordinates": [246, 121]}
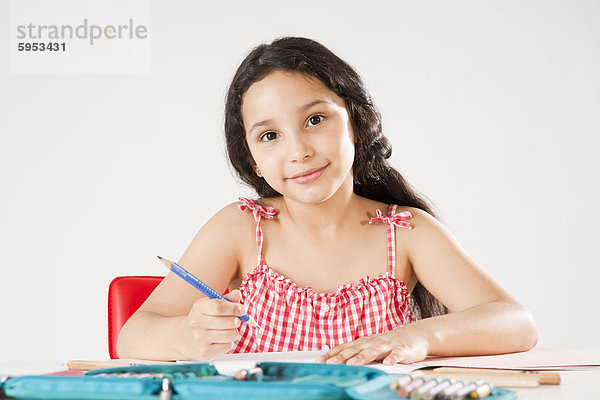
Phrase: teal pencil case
{"type": "Point", "coordinates": [276, 380]}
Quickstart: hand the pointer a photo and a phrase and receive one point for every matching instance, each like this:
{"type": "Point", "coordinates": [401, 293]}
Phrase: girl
{"type": "Point", "coordinates": [308, 260]}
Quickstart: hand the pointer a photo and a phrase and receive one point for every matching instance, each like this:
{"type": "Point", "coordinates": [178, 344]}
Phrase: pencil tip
{"type": "Point", "coordinates": [253, 323]}
{"type": "Point", "coordinates": [159, 257]}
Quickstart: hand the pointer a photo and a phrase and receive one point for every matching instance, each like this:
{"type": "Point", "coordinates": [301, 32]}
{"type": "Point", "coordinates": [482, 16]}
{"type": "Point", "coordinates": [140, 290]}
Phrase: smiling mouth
{"type": "Point", "coordinates": [309, 175]}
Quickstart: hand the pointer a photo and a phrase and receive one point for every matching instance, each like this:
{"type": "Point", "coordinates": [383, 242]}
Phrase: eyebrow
{"type": "Point", "coordinates": [301, 108]}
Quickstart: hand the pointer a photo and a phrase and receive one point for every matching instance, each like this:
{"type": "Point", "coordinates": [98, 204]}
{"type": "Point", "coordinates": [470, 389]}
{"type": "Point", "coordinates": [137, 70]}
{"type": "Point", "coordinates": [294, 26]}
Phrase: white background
{"type": "Point", "coordinates": [493, 109]}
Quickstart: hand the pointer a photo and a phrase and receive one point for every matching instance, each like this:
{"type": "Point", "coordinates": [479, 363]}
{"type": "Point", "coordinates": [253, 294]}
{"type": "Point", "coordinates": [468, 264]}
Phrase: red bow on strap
{"type": "Point", "coordinates": [396, 219]}
{"type": "Point", "coordinates": [258, 210]}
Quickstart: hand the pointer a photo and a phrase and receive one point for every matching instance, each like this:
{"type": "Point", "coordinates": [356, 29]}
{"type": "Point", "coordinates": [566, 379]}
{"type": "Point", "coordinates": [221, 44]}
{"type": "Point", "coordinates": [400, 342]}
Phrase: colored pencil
{"type": "Point", "coordinates": [201, 286]}
{"type": "Point", "coordinates": [544, 377]}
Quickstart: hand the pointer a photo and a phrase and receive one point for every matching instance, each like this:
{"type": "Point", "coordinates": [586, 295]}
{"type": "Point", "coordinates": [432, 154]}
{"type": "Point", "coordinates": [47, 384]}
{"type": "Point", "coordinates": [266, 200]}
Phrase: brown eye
{"type": "Point", "coordinates": [316, 119]}
{"type": "Point", "coordinates": [268, 136]}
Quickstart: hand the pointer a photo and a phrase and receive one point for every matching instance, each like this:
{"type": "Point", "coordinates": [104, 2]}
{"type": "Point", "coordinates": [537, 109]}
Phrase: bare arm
{"type": "Point", "coordinates": [178, 322]}
{"type": "Point", "coordinates": [484, 318]}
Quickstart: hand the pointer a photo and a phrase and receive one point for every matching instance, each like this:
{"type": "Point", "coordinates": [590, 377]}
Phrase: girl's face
{"type": "Point", "coordinates": [300, 136]}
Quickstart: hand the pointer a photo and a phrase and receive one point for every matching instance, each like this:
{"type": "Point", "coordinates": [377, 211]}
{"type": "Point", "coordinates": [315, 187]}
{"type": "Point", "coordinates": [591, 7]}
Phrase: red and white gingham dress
{"type": "Point", "coordinates": [296, 318]}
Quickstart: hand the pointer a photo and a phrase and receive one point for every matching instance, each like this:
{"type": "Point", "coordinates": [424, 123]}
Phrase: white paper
{"type": "Point", "coordinates": [228, 364]}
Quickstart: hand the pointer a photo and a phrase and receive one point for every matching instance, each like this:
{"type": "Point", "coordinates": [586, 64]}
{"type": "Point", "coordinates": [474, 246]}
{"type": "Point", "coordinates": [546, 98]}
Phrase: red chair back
{"type": "Point", "coordinates": [125, 295]}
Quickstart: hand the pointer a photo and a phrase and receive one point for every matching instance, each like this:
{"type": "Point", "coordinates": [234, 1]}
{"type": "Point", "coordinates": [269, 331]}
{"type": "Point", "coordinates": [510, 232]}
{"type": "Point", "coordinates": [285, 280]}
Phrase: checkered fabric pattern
{"type": "Point", "coordinates": [296, 318]}
{"type": "Point", "coordinates": [258, 212]}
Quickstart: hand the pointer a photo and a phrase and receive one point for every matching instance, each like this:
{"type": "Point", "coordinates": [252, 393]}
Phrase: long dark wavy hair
{"type": "Point", "coordinates": [374, 178]}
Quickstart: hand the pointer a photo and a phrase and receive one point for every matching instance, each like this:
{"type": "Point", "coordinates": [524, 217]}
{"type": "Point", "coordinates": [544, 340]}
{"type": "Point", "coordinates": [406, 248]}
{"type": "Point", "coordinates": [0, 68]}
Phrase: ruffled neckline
{"type": "Point", "coordinates": [309, 291]}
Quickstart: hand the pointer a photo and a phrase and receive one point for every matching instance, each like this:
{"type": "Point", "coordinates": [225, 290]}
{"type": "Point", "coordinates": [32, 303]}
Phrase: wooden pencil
{"type": "Point", "coordinates": [88, 365]}
{"type": "Point", "coordinates": [499, 380]}
{"type": "Point", "coordinates": [545, 378]}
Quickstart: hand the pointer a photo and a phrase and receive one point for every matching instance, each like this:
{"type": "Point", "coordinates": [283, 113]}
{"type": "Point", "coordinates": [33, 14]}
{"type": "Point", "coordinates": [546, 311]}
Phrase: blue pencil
{"type": "Point", "coordinates": [201, 286]}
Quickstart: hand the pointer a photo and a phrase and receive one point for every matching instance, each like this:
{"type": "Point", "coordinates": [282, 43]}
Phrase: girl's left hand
{"type": "Point", "coordinates": [402, 345]}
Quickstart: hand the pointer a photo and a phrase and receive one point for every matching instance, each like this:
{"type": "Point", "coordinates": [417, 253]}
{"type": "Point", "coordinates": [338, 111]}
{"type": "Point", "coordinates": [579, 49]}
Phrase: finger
{"type": "Point", "coordinates": [392, 359]}
{"type": "Point", "coordinates": [345, 354]}
{"type": "Point", "coordinates": [334, 352]}
{"type": "Point", "coordinates": [367, 355]}
{"type": "Point", "coordinates": [401, 355]}
{"type": "Point", "coordinates": [222, 308]}
{"type": "Point", "coordinates": [216, 336]}
{"type": "Point", "coordinates": [235, 295]}
{"type": "Point", "coordinates": [221, 348]}
{"type": "Point", "coordinates": [212, 352]}
{"type": "Point", "coordinates": [220, 322]}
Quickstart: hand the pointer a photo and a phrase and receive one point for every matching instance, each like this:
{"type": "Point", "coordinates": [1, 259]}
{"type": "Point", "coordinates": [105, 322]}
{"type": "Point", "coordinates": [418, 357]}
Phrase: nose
{"type": "Point", "coordinates": [299, 147]}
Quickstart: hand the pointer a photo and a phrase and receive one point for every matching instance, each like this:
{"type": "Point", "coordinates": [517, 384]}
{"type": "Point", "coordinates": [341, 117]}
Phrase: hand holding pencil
{"type": "Point", "coordinates": [211, 326]}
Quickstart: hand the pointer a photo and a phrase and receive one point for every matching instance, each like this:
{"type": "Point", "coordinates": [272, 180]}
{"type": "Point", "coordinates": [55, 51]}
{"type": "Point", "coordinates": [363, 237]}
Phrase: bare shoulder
{"type": "Point", "coordinates": [426, 229]}
{"type": "Point", "coordinates": [419, 218]}
{"type": "Point", "coordinates": [230, 225]}
{"type": "Point", "coordinates": [231, 214]}
{"type": "Point", "coordinates": [220, 240]}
